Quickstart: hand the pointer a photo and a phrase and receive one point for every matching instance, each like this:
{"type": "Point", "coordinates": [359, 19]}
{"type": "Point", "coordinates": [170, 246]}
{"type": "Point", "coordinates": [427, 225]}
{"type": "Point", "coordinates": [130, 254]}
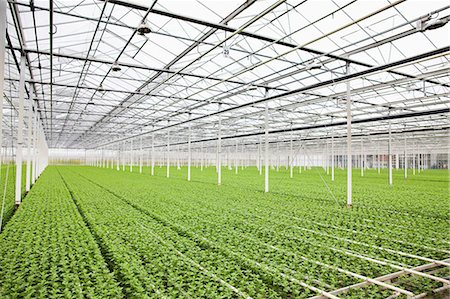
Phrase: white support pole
{"type": "Point", "coordinates": [332, 154]}
{"type": "Point", "coordinates": [236, 158]}
{"type": "Point", "coordinates": [305, 163]}
{"type": "Point", "coordinates": [123, 156]}
{"type": "Point", "coordinates": [112, 157]}
{"type": "Point", "coordinates": [259, 157]}
{"type": "Point", "coordinates": [202, 157]}
{"type": "Point", "coordinates": [278, 156]}
{"type": "Point", "coordinates": [228, 159]}
{"type": "Point", "coordinates": [153, 154]}
{"type": "Point", "coordinates": [266, 150]}
{"type": "Point", "coordinates": [131, 155]}
{"type": "Point", "coordinates": [189, 150]}
{"type": "Point", "coordinates": [397, 159]}
{"type": "Point", "coordinates": [35, 150]}
{"type": "Point", "coordinates": [219, 149]}
{"type": "Point", "coordinates": [118, 158]}
{"type": "Point", "coordinates": [414, 159]}
{"type": "Point", "coordinates": [349, 142]}
{"type": "Point", "coordinates": [291, 157]}
{"type": "Point", "coordinates": [362, 157]}
{"type": "Point", "coordinates": [29, 131]}
{"type": "Point", "coordinates": [18, 190]}
{"type": "Point", "coordinates": [300, 159]}
{"type": "Point", "coordinates": [418, 159]}
{"type": "Point", "coordinates": [168, 154]}
{"type": "Point", "coordinates": [179, 156]}
{"type": "Point", "coordinates": [327, 158]}
{"type": "Point", "coordinates": [389, 152]}
{"type": "Point", "coordinates": [140, 155]}
{"type": "Point", "coordinates": [378, 158]}
{"type": "Point", "coordinates": [242, 158]}
{"type": "Point", "coordinates": [405, 163]}
{"type": "Point", "coordinates": [2, 67]}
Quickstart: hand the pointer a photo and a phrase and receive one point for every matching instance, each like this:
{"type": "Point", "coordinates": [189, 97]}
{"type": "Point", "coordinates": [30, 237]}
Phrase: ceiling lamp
{"type": "Point", "coordinates": [143, 29]}
{"type": "Point", "coordinates": [431, 24]}
{"type": "Point", "coordinates": [226, 52]}
{"type": "Point", "coordinates": [116, 67]}
{"type": "Point", "coordinates": [314, 65]}
{"type": "Point", "coordinates": [100, 88]}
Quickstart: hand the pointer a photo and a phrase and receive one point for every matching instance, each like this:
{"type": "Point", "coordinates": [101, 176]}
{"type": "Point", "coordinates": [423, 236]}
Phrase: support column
{"type": "Point", "coordinates": [414, 159]}
{"type": "Point", "coordinates": [349, 142]}
{"type": "Point", "coordinates": [397, 159]}
{"type": "Point", "coordinates": [2, 69]}
{"type": "Point", "coordinates": [18, 190]}
{"type": "Point", "coordinates": [378, 158]}
{"type": "Point", "coordinates": [332, 153]}
{"type": "Point", "coordinates": [278, 156]}
{"type": "Point", "coordinates": [201, 156]}
{"type": "Point", "coordinates": [242, 158]}
{"type": "Point", "coordinates": [29, 130]}
{"type": "Point", "coordinates": [362, 157]}
{"type": "Point", "coordinates": [300, 158]}
{"type": "Point", "coordinates": [259, 156]}
{"type": "Point", "coordinates": [236, 158]}
{"type": "Point", "coordinates": [219, 149]}
{"type": "Point", "coordinates": [327, 158]}
{"type": "Point", "coordinates": [140, 154]}
{"type": "Point", "coordinates": [131, 155]}
{"type": "Point", "coordinates": [168, 154]}
{"type": "Point", "coordinates": [405, 163]}
{"type": "Point", "coordinates": [389, 152]}
{"type": "Point", "coordinates": [418, 159]}
{"type": "Point", "coordinates": [123, 156]}
{"type": "Point", "coordinates": [189, 150]}
{"type": "Point", "coordinates": [153, 153]}
{"type": "Point", "coordinates": [118, 158]}
{"type": "Point", "coordinates": [35, 150]}
{"type": "Point", "coordinates": [291, 158]}
{"type": "Point", "coordinates": [266, 151]}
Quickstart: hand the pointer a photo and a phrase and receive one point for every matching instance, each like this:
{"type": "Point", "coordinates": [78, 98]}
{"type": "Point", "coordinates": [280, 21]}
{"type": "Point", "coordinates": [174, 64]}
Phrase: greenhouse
{"type": "Point", "coordinates": [225, 149]}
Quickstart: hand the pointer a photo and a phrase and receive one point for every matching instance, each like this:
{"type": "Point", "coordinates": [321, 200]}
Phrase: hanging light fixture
{"type": "Point", "coordinates": [100, 88]}
{"type": "Point", "coordinates": [116, 67]}
{"type": "Point", "coordinates": [314, 65]}
{"type": "Point", "coordinates": [429, 23]}
{"type": "Point", "coordinates": [226, 51]}
{"type": "Point", "coordinates": [143, 29]}
{"type": "Point", "coordinates": [249, 87]}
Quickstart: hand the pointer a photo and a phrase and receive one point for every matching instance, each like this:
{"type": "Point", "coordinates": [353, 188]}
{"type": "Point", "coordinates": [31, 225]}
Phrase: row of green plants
{"type": "Point", "coordinates": [284, 238]}
{"type": "Point", "coordinates": [157, 261]}
{"type": "Point", "coordinates": [7, 191]}
{"type": "Point", "coordinates": [85, 232]}
{"type": "Point", "coordinates": [47, 251]}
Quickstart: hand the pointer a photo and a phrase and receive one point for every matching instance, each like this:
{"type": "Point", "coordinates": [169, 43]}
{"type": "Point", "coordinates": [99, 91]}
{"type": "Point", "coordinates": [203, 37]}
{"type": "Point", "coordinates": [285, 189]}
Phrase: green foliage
{"type": "Point", "coordinates": [7, 189]}
{"type": "Point", "coordinates": [177, 239]}
{"type": "Point", "coordinates": [47, 251]}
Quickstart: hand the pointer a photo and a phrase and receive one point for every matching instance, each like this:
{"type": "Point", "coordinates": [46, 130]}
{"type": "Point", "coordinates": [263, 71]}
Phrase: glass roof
{"type": "Point", "coordinates": [205, 59]}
